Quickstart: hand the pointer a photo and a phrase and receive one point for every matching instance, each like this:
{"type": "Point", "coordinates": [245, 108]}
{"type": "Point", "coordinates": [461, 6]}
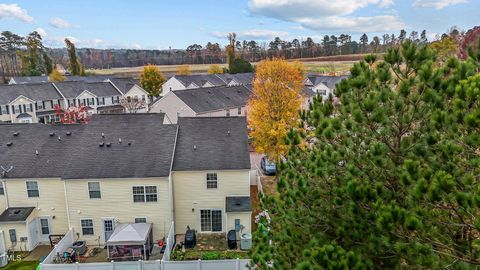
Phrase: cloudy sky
{"type": "Point", "coordinates": [161, 24]}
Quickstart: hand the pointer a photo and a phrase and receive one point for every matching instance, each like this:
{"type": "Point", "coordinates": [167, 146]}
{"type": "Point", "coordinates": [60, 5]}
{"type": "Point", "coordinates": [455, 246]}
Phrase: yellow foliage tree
{"type": "Point", "coordinates": [152, 80]}
{"type": "Point", "coordinates": [215, 69]}
{"type": "Point", "coordinates": [183, 70]}
{"type": "Point", "coordinates": [56, 76]}
{"type": "Point", "coordinates": [275, 104]}
{"type": "Point", "coordinates": [446, 48]}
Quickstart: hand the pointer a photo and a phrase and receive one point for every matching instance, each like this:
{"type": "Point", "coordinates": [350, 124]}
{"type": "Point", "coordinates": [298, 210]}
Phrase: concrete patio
{"type": "Point", "coordinates": [39, 253]}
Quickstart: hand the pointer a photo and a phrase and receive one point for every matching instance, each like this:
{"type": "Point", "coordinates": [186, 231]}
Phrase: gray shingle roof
{"type": "Point", "coordinates": [35, 92]}
{"type": "Point", "coordinates": [238, 204]}
{"type": "Point", "coordinates": [211, 143]}
{"type": "Point", "coordinates": [74, 88]}
{"type": "Point", "coordinates": [329, 81]}
{"type": "Point", "coordinates": [214, 98]}
{"type": "Point", "coordinates": [308, 92]}
{"type": "Point", "coordinates": [200, 79]}
{"type": "Point", "coordinates": [241, 78]}
{"type": "Point", "coordinates": [40, 79]}
{"type": "Point", "coordinates": [124, 84]}
{"type": "Point", "coordinates": [79, 156]}
{"type": "Point", "coordinates": [16, 214]}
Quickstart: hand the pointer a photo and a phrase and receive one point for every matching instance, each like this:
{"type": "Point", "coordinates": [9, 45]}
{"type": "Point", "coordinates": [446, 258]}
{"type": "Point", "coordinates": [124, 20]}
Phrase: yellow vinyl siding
{"type": "Point", "coordinates": [190, 192]}
{"type": "Point", "coordinates": [51, 202]}
{"type": "Point", "coordinates": [117, 202]}
{"type": "Point", "coordinates": [245, 220]}
{"type": "Point", "coordinates": [21, 231]}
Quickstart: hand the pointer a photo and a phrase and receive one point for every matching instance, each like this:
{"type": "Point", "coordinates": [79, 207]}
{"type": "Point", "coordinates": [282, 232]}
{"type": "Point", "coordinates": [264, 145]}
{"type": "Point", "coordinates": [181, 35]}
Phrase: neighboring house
{"type": "Point", "coordinates": [182, 82]}
{"type": "Point", "coordinates": [308, 94]}
{"type": "Point", "coordinates": [114, 170]}
{"type": "Point", "coordinates": [29, 103]}
{"type": "Point", "coordinates": [211, 101]}
{"type": "Point", "coordinates": [44, 79]}
{"type": "Point", "coordinates": [323, 85]}
{"type": "Point", "coordinates": [100, 97]}
{"type": "Point", "coordinates": [34, 102]}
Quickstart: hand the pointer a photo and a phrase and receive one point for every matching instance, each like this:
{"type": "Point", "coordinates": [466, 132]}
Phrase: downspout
{"type": "Point", "coordinates": [4, 184]}
{"type": "Point", "coordinates": [66, 203]}
{"type": "Point", "coordinates": [170, 182]}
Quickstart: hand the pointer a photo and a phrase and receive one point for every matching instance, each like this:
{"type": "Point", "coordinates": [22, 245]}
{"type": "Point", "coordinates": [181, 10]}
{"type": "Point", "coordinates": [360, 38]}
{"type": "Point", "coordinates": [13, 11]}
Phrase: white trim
{"type": "Point", "coordinates": [99, 189]}
{"type": "Point", "coordinates": [65, 100]}
{"type": "Point", "coordinates": [145, 193]}
{"type": "Point", "coordinates": [26, 188]}
{"type": "Point", "coordinates": [66, 204]}
{"type": "Point", "coordinates": [206, 180]}
{"type": "Point", "coordinates": [21, 96]}
{"type": "Point", "coordinates": [222, 212]}
{"type": "Point", "coordinates": [93, 226]}
{"type": "Point", "coordinates": [114, 86]}
{"type": "Point", "coordinates": [85, 91]}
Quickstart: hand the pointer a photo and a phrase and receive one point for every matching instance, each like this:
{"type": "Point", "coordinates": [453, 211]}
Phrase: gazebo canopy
{"type": "Point", "coordinates": [130, 234]}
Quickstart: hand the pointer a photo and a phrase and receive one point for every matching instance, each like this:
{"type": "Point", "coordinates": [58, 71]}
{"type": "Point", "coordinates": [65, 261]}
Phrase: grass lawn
{"type": "Point", "coordinates": [21, 265]}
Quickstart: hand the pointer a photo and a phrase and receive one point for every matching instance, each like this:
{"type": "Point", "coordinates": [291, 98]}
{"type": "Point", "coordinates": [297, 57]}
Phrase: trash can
{"type": "Point", "coordinates": [232, 239]}
{"type": "Point", "coordinates": [245, 241]}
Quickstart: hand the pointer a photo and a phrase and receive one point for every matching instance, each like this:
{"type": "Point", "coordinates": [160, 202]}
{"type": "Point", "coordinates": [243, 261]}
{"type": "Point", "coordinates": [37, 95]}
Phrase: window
{"type": "Point", "coordinates": [211, 180]}
{"type": "Point", "coordinates": [144, 194]}
{"type": "Point", "coordinates": [94, 190]}
{"type": "Point", "coordinates": [44, 225]}
{"type": "Point", "coordinates": [211, 220]}
{"type": "Point", "coordinates": [87, 226]}
{"type": "Point", "coordinates": [32, 189]}
{"type": "Point", "coordinates": [141, 220]}
{"type": "Point", "coordinates": [2, 190]}
{"type": "Point", "coordinates": [239, 110]}
{"type": "Point", "coordinates": [322, 92]}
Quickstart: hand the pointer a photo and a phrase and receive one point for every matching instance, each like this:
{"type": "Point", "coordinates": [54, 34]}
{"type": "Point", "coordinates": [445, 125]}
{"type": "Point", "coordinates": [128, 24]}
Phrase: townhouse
{"type": "Point", "coordinates": [35, 102]}
{"type": "Point", "coordinates": [44, 79]}
{"type": "Point", "coordinates": [323, 85]}
{"type": "Point", "coordinates": [182, 82]}
{"type": "Point", "coordinates": [114, 170]}
{"type": "Point", "coordinates": [202, 102]}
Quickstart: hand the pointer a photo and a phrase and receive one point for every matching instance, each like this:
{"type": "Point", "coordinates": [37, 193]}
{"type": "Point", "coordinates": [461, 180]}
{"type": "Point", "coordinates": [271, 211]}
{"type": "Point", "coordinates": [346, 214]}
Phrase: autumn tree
{"type": "Point", "coordinates": [73, 114]}
{"type": "Point", "coordinates": [445, 48]}
{"type": "Point", "coordinates": [390, 177]}
{"type": "Point", "coordinates": [230, 49]}
{"type": "Point", "coordinates": [151, 79]}
{"type": "Point", "coordinates": [75, 65]}
{"type": "Point", "coordinates": [274, 105]}
{"type": "Point", "coordinates": [215, 69]}
{"type": "Point", "coordinates": [56, 76]}
{"type": "Point", "coordinates": [183, 70]}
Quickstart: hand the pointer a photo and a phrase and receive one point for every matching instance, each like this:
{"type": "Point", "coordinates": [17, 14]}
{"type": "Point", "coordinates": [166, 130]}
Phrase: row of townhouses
{"type": "Point", "coordinates": [35, 102]}
{"type": "Point", "coordinates": [225, 99]}
{"type": "Point", "coordinates": [123, 169]}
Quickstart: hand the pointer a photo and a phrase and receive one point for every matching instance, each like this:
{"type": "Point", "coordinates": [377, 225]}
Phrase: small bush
{"type": "Point", "coordinates": [211, 255]}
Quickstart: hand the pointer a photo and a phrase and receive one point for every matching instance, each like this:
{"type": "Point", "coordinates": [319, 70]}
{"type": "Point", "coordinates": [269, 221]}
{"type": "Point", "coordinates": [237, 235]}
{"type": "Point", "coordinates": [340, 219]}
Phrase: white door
{"type": "Point", "coordinates": [108, 227]}
{"type": "Point", "coordinates": [33, 234]}
{"type": "Point", "coordinates": [45, 229]}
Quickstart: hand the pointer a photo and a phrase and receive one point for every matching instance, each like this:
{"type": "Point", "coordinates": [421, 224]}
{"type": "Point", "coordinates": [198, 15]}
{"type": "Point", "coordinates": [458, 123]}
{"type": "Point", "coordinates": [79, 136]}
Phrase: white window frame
{"type": "Point", "coordinates": [38, 188]}
{"type": "Point", "coordinates": [2, 189]}
{"type": "Point", "coordinates": [207, 180]}
{"type": "Point", "coordinates": [211, 220]}
{"type": "Point", "coordinates": [145, 194]}
{"type": "Point", "coordinates": [92, 227]}
{"type": "Point", "coordinates": [90, 190]}
{"type": "Point", "coordinates": [42, 227]}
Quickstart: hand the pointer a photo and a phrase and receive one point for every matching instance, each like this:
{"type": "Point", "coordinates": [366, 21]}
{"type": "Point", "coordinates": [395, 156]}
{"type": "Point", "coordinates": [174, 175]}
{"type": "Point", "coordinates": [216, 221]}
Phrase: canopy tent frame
{"type": "Point", "coordinates": [129, 238]}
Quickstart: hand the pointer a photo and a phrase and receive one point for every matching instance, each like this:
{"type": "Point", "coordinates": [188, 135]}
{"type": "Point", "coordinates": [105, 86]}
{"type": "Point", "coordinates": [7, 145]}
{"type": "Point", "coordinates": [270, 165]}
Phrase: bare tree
{"type": "Point", "coordinates": [132, 105]}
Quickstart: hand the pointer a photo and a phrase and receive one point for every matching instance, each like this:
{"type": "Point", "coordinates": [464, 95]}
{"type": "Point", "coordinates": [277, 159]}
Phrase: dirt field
{"type": "Point", "coordinates": [319, 65]}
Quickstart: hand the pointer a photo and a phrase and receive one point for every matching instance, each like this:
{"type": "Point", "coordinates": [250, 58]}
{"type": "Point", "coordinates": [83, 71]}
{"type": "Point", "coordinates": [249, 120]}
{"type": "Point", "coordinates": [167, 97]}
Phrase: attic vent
{"type": "Point", "coordinates": [109, 144]}
{"type": "Point", "coordinates": [15, 134]}
{"type": "Point", "coordinates": [16, 212]}
{"type": "Point", "coordinates": [69, 133]}
{"type": "Point", "coordinates": [52, 134]}
{"type": "Point", "coordinates": [9, 143]}
{"type": "Point", "coordinates": [101, 144]}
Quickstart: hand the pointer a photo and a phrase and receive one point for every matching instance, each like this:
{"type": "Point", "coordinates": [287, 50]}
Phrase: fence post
{"type": "Point", "coordinates": [238, 264]}
{"type": "Point", "coordinates": [158, 263]}
{"type": "Point", "coordinates": [113, 265]}
{"type": "Point", "coordinates": [139, 265]}
{"type": "Point", "coordinates": [199, 264]}
{"type": "Point", "coordinates": [162, 265]}
{"type": "Point", "coordinates": [77, 266]}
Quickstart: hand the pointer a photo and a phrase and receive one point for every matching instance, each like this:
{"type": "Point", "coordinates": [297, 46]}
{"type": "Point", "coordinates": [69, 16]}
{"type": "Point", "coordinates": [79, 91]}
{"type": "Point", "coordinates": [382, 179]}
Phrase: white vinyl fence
{"type": "Point", "coordinates": [170, 242]}
{"type": "Point", "coordinates": [3, 250]}
{"type": "Point", "coordinates": [59, 248]}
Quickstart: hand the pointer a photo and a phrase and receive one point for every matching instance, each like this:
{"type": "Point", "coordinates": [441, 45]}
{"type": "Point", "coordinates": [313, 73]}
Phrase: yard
{"type": "Point", "coordinates": [21, 265]}
{"type": "Point", "coordinates": [208, 247]}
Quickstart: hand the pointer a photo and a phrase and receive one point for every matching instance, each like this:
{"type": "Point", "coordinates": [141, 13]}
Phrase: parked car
{"type": "Point", "coordinates": [268, 167]}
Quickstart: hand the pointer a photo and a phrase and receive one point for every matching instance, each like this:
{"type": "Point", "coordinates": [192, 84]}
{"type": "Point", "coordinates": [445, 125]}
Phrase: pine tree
{"type": "Point", "coordinates": [390, 177]}
{"type": "Point", "coordinates": [75, 65]}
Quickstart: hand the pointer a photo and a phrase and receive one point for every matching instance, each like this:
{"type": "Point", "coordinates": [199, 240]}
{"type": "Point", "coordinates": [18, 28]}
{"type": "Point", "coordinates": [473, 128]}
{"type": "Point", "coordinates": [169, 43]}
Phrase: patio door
{"type": "Point", "coordinates": [108, 227]}
{"type": "Point", "coordinates": [45, 229]}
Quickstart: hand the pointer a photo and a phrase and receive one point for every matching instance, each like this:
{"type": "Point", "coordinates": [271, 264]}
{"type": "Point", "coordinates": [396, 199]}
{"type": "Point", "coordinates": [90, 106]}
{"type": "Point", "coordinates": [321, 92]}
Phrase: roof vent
{"type": "Point", "coordinates": [109, 144]}
{"type": "Point", "coordinates": [228, 133]}
{"type": "Point", "coordinates": [119, 140]}
{"type": "Point", "coordinates": [9, 143]}
{"type": "Point", "coordinates": [103, 135]}
{"type": "Point", "coordinates": [129, 143]}
{"type": "Point", "coordinates": [36, 152]}
{"type": "Point", "coordinates": [59, 138]}
{"type": "Point", "coordinates": [52, 134]}
{"type": "Point", "coordinates": [194, 148]}
{"type": "Point", "coordinates": [15, 134]}
{"type": "Point", "coordinates": [69, 133]}
{"type": "Point", "coordinates": [101, 144]}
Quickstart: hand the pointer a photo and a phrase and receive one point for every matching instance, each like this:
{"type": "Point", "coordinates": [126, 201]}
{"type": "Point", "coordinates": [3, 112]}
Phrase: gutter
{"type": "Point", "coordinates": [67, 208]}
{"type": "Point", "coordinates": [170, 180]}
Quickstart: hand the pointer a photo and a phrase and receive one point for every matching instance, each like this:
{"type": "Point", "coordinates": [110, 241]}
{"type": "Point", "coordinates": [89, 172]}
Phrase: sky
{"type": "Point", "coordinates": [163, 24]}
